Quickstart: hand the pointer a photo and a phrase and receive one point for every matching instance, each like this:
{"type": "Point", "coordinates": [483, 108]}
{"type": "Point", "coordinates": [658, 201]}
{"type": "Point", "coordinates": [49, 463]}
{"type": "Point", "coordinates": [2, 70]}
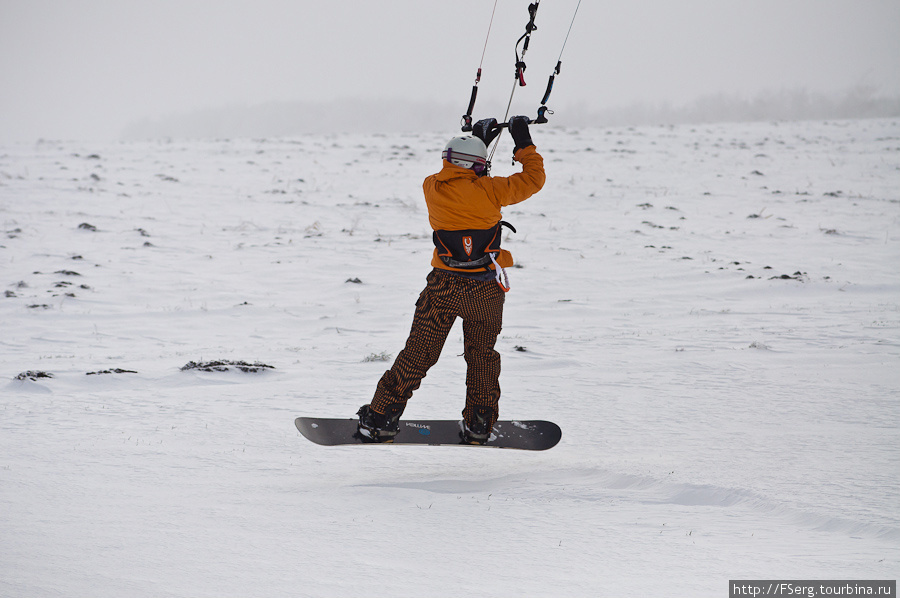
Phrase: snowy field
{"type": "Point", "coordinates": [711, 314]}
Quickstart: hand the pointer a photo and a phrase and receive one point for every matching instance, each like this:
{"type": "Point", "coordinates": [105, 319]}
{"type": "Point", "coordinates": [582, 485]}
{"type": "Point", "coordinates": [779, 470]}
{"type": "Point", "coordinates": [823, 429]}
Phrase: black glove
{"type": "Point", "coordinates": [487, 130]}
{"type": "Point", "coordinates": [518, 128]}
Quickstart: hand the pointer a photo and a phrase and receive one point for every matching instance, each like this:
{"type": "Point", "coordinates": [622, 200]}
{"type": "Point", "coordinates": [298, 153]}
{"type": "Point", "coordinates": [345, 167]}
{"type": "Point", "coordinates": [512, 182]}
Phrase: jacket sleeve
{"type": "Point", "coordinates": [522, 185]}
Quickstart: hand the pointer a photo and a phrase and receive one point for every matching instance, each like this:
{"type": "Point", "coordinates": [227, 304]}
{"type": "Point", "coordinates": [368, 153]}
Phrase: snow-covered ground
{"type": "Point", "coordinates": [711, 314]}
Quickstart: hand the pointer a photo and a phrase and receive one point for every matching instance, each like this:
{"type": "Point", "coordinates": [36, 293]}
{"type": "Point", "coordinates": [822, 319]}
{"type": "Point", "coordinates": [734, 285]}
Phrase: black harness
{"type": "Point", "coordinates": [469, 249]}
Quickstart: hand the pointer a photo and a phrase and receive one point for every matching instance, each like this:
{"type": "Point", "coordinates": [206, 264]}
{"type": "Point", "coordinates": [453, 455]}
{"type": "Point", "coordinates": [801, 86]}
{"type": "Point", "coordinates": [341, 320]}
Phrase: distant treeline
{"type": "Point", "coordinates": [784, 105]}
{"type": "Point", "coordinates": [286, 119]}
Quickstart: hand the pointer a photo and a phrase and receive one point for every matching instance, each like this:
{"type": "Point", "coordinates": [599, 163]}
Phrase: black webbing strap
{"type": "Point", "coordinates": [526, 37]}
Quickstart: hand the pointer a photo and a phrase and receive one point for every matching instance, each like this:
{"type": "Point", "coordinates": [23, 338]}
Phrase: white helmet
{"type": "Point", "coordinates": [467, 151]}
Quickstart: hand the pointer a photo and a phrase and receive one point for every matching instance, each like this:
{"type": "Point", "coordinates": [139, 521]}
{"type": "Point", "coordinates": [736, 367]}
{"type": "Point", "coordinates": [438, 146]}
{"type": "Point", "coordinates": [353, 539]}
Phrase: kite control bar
{"type": "Point", "coordinates": [536, 121]}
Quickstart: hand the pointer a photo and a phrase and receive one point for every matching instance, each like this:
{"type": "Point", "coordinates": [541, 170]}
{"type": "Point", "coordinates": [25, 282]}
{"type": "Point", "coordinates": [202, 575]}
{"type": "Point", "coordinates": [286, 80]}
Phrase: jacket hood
{"type": "Point", "coordinates": [452, 171]}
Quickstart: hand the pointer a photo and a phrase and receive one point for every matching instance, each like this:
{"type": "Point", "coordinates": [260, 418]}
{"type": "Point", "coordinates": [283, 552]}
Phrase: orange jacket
{"type": "Point", "coordinates": [458, 199]}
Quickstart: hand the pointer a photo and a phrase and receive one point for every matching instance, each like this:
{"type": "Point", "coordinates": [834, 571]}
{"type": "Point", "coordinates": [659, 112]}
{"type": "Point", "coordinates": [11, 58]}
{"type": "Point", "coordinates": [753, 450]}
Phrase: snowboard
{"type": "Point", "coordinates": [535, 435]}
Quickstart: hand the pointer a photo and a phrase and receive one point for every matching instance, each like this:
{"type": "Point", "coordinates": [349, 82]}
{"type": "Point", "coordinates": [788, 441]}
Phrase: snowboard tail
{"type": "Point", "coordinates": [532, 435]}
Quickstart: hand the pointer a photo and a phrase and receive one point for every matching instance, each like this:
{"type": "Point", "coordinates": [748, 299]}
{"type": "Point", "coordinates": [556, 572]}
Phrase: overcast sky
{"type": "Point", "coordinates": [87, 68]}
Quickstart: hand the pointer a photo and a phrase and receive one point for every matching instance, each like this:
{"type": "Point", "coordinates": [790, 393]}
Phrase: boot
{"type": "Point", "coordinates": [478, 431]}
{"type": "Point", "coordinates": [379, 427]}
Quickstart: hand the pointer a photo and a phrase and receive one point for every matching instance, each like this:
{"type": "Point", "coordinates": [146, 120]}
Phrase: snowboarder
{"type": "Point", "coordinates": [467, 280]}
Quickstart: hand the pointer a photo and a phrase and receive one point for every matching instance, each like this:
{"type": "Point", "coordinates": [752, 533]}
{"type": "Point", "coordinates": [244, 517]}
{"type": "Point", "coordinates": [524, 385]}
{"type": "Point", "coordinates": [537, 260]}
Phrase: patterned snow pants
{"type": "Point", "coordinates": [447, 296]}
